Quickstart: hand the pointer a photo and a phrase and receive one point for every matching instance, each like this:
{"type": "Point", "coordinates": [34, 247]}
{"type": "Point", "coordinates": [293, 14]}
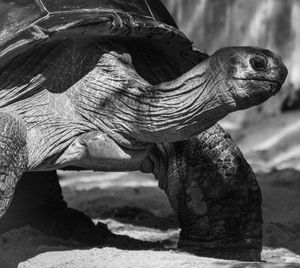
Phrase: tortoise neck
{"type": "Point", "coordinates": [188, 105]}
{"type": "Point", "coordinates": [130, 110]}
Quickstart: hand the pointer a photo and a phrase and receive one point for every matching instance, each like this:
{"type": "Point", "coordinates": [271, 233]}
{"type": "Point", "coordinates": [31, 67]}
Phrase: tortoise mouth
{"type": "Point", "coordinates": [255, 91]}
{"type": "Point", "coordinates": [272, 86]}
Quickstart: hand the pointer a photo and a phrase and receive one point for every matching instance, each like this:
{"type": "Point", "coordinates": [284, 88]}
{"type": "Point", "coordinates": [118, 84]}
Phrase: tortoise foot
{"type": "Point", "coordinates": [72, 224]}
{"type": "Point", "coordinates": [232, 252]}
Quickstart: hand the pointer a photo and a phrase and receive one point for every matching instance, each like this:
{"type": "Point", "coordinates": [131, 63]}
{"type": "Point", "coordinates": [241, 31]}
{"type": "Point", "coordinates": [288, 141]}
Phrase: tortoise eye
{"type": "Point", "coordinates": [258, 63]}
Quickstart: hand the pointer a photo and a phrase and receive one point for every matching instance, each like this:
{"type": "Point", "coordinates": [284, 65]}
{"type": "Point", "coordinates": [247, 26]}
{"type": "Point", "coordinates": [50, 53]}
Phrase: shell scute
{"type": "Point", "coordinates": [18, 15]}
{"type": "Point", "coordinates": [24, 23]}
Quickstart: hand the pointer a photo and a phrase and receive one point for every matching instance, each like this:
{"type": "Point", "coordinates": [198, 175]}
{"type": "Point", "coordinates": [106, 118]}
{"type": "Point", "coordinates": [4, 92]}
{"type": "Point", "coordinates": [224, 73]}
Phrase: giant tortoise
{"type": "Point", "coordinates": [114, 85]}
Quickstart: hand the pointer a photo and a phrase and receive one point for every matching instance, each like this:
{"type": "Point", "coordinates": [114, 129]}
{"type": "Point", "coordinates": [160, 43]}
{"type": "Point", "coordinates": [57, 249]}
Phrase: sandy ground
{"type": "Point", "coordinates": [131, 204]}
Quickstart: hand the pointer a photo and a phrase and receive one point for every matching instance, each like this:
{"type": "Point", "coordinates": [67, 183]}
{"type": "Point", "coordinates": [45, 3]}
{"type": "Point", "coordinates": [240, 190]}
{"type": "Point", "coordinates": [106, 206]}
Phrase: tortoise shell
{"type": "Point", "coordinates": [23, 23]}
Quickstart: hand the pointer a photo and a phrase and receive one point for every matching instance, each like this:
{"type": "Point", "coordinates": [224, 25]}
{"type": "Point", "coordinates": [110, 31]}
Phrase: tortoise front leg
{"type": "Point", "coordinates": [215, 194]}
{"type": "Point", "coordinates": [13, 157]}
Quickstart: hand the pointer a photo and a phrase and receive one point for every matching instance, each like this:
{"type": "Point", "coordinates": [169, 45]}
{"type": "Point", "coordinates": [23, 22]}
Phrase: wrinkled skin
{"type": "Point", "coordinates": [83, 103]}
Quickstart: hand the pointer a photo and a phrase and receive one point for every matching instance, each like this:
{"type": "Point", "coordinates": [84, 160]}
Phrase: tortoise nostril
{"type": "Point", "coordinates": [258, 63]}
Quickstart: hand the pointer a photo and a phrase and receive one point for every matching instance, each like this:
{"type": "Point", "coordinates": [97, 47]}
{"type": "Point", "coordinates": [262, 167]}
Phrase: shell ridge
{"type": "Point", "coordinates": [41, 5]}
{"type": "Point", "coordinates": [149, 9]}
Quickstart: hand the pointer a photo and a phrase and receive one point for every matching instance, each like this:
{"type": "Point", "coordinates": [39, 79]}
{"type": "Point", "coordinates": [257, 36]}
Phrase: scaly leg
{"type": "Point", "coordinates": [37, 195]}
{"type": "Point", "coordinates": [39, 203]}
{"type": "Point", "coordinates": [13, 157]}
{"type": "Point", "coordinates": [215, 194]}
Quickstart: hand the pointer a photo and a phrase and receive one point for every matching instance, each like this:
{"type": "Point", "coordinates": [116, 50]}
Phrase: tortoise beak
{"type": "Point", "coordinates": [281, 73]}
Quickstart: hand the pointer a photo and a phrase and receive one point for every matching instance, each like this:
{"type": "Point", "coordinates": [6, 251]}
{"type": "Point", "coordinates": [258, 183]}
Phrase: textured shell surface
{"type": "Point", "coordinates": [23, 23]}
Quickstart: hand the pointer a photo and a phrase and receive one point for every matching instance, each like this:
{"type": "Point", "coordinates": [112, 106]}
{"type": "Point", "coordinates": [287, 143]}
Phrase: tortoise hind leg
{"type": "Point", "coordinates": [36, 194]}
{"type": "Point", "coordinates": [39, 203]}
{"type": "Point", "coordinates": [57, 219]}
{"type": "Point", "coordinates": [13, 158]}
{"type": "Point", "coordinates": [215, 194]}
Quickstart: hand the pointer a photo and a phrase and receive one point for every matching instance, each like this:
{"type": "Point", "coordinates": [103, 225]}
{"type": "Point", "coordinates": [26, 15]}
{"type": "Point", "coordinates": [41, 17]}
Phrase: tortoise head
{"type": "Point", "coordinates": [252, 75]}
